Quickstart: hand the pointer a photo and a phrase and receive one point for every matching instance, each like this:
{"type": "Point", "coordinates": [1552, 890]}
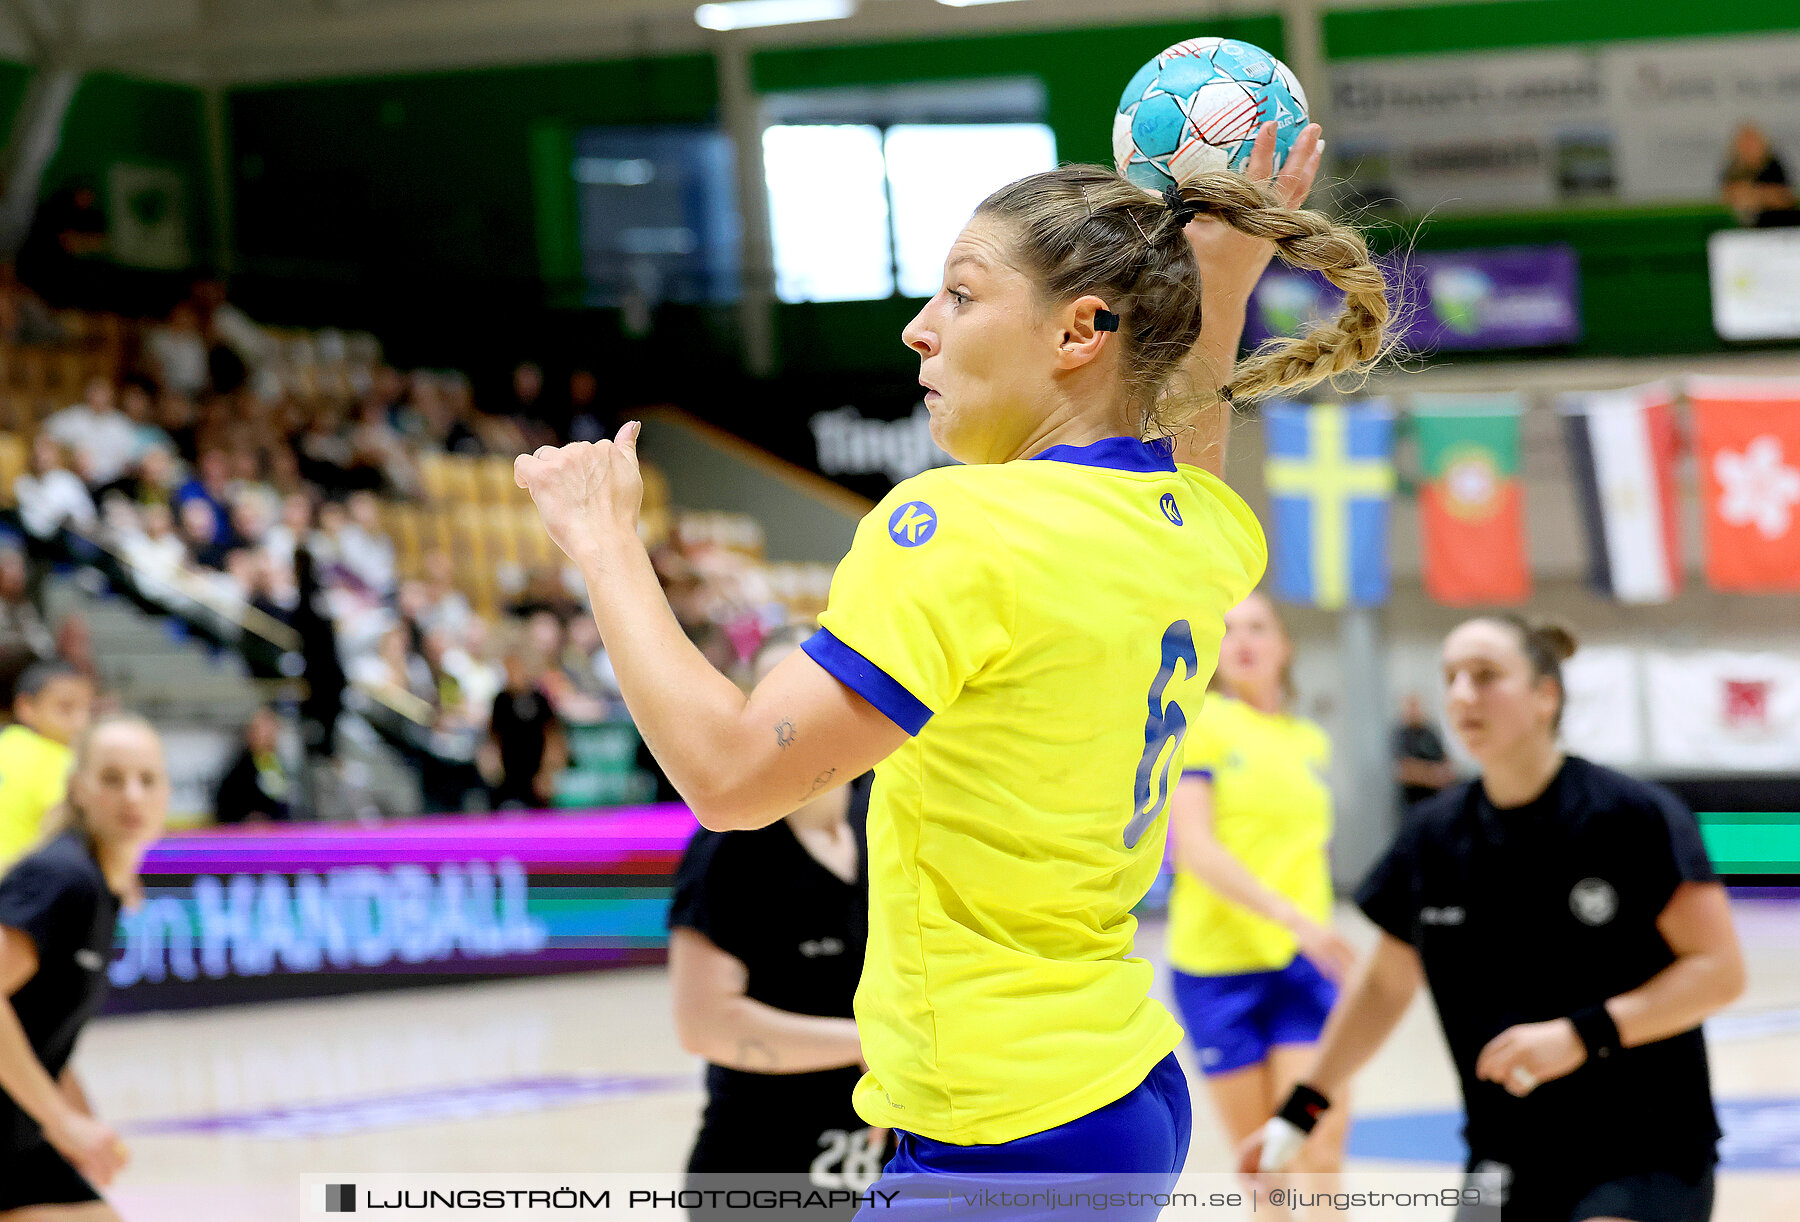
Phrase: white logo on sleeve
{"type": "Point", "coordinates": [822, 946]}
{"type": "Point", "coordinates": [1451, 915]}
{"type": "Point", "coordinates": [1593, 901]}
{"type": "Point", "coordinates": [89, 960]}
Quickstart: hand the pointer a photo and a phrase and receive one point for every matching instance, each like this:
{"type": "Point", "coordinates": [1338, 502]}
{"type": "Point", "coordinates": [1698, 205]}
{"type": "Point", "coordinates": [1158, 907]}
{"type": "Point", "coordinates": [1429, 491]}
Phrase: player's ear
{"type": "Point", "coordinates": [1086, 323]}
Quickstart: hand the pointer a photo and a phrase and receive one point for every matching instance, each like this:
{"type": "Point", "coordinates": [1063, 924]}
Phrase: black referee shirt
{"type": "Point", "coordinates": [800, 932]}
{"type": "Point", "coordinates": [58, 897]}
{"type": "Point", "coordinates": [1529, 913]}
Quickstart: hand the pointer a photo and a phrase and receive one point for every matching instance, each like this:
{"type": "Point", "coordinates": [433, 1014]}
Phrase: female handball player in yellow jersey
{"type": "Point", "coordinates": [1250, 934]}
{"type": "Point", "coordinates": [1017, 644]}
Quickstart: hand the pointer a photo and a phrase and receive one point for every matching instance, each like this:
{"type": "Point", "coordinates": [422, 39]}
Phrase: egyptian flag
{"type": "Point", "coordinates": [1747, 440]}
{"type": "Point", "coordinates": [1622, 446]}
{"type": "Point", "coordinates": [1471, 506]}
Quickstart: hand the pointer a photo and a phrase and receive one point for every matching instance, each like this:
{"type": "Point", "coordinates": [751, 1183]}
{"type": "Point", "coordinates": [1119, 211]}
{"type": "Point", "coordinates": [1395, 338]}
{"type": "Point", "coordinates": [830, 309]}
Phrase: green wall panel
{"type": "Point", "coordinates": [396, 186]}
{"type": "Point", "coordinates": [1083, 70]}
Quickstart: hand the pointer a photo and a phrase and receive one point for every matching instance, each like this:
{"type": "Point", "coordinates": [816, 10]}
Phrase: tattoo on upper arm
{"type": "Point", "coordinates": [820, 781]}
{"type": "Point", "coordinates": [784, 733]}
{"type": "Point", "coordinates": [754, 1052]}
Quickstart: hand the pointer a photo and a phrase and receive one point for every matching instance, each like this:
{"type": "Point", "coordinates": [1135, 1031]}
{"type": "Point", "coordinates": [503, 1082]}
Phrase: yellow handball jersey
{"type": "Point", "coordinates": [1040, 628]}
{"type": "Point", "coordinates": [1272, 811]}
{"type": "Point", "coordinates": [34, 775]}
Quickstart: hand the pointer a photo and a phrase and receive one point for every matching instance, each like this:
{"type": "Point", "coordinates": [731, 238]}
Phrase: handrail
{"type": "Point", "coordinates": [256, 622]}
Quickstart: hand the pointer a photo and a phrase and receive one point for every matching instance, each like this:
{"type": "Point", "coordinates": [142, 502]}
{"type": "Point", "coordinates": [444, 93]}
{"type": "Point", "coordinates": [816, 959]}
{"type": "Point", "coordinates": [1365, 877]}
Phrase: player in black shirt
{"type": "Point", "coordinates": [1573, 935]}
{"type": "Point", "coordinates": [58, 909]}
{"type": "Point", "coordinates": [767, 933]}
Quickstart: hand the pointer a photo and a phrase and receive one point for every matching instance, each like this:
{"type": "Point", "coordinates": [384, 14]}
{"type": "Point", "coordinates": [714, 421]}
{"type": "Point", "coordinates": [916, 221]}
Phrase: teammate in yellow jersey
{"type": "Point", "coordinates": [52, 702]}
{"type": "Point", "coordinates": [1249, 920]}
{"type": "Point", "coordinates": [1016, 643]}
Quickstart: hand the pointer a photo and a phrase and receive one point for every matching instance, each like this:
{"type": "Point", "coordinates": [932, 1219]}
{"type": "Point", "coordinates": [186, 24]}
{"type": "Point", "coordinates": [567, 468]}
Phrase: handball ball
{"type": "Point", "coordinates": [1197, 107]}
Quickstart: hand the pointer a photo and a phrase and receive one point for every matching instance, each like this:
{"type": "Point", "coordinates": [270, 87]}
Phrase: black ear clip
{"type": "Point", "coordinates": [1105, 320]}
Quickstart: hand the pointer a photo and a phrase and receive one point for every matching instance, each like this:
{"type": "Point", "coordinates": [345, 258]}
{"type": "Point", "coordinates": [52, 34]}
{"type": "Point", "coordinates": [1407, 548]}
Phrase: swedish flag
{"type": "Point", "coordinates": [1330, 471]}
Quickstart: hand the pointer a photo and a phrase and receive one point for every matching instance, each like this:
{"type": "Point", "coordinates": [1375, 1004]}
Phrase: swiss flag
{"type": "Point", "coordinates": [1747, 441]}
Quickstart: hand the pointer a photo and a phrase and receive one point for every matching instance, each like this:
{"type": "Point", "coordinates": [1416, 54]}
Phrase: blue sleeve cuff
{"type": "Point", "coordinates": [867, 680]}
{"type": "Point", "coordinates": [1205, 774]}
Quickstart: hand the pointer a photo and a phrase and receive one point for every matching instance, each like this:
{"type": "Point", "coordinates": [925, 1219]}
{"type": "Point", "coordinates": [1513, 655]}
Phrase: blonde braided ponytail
{"type": "Point", "coordinates": [1349, 343]}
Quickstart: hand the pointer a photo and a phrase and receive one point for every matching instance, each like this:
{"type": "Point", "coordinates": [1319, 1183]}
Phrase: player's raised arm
{"type": "Point", "coordinates": [738, 761]}
{"type": "Point", "coordinates": [1239, 223]}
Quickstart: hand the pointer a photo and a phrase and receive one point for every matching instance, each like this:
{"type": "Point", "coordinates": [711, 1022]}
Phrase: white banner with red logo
{"type": "Point", "coordinates": [1719, 709]}
{"type": "Point", "coordinates": [1747, 443]}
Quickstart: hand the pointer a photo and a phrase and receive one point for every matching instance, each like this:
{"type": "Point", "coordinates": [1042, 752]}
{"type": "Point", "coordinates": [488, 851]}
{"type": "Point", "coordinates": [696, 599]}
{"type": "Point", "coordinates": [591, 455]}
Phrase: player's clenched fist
{"type": "Point", "coordinates": [587, 492]}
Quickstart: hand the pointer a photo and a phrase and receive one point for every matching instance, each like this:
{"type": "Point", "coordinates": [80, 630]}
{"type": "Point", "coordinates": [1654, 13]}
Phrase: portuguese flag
{"type": "Point", "coordinates": [1471, 506]}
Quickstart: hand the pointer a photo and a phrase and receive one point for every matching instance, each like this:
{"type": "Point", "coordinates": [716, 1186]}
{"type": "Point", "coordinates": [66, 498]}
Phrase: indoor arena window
{"type": "Point", "coordinates": [869, 187]}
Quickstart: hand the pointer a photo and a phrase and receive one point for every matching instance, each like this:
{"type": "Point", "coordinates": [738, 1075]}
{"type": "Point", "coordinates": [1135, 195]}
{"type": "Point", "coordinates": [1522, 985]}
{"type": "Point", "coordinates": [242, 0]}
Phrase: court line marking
{"type": "Point", "coordinates": [432, 1106]}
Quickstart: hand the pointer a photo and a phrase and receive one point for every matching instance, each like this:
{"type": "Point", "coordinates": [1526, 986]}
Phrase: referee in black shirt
{"type": "Point", "coordinates": [1573, 935]}
{"type": "Point", "coordinates": [58, 909]}
{"type": "Point", "coordinates": [767, 934]}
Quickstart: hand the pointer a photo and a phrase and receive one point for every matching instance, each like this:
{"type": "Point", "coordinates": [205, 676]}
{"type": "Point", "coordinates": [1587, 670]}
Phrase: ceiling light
{"type": "Point", "coordinates": [745, 14]}
{"type": "Point", "coordinates": [970, 3]}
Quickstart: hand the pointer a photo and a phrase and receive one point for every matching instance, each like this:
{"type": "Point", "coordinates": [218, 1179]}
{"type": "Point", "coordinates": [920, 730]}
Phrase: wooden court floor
{"type": "Point", "coordinates": [225, 1110]}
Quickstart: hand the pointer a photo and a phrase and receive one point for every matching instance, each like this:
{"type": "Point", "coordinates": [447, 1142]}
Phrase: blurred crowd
{"type": "Point", "coordinates": [227, 464]}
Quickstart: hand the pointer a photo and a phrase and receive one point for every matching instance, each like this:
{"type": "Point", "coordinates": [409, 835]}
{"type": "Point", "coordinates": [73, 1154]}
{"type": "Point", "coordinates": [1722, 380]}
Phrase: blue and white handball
{"type": "Point", "coordinates": [1197, 107]}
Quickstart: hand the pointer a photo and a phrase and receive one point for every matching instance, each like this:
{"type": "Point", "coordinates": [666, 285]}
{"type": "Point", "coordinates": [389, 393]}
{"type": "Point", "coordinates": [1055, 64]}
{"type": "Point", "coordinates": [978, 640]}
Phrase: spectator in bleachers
{"type": "Point", "coordinates": [51, 497]}
{"type": "Point", "coordinates": [156, 480]}
{"type": "Point", "coordinates": [322, 666]}
{"type": "Point", "coordinates": [588, 420]}
{"type": "Point", "coordinates": [210, 484]}
{"type": "Point", "coordinates": [364, 547]}
{"type": "Point", "coordinates": [24, 318]}
{"type": "Point", "coordinates": [441, 606]}
{"type": "Point", "coordinates": [24, 635]}
{"type": "Point", "coordinates": [526, 407]}
{"type": "Point", "coordinates": [138, 403]}
{"type": "Point", "coordinates": [290, 531]}
{"type": "Point", "coordinates": [230, 331]}
{"type": "Point", "coordinates": [177, 352]}
{"type": "Point", "coordinates": [527, 746]}
{"type": "Point", "coordinates": [1755, 184]}
{"type": "Point", "coordinates": [104, 441]}
{"type": "Point", "coordinates": [75, 647]}
{"type": "Point", "coordinates": [179, 418]}
{"type": "Point", "coordinates": [151, 546]}
{"type": "Point", "coordinates": [544, 590]}
{"type": "Point", "coordinates": [200, 533]}
{"type": "Point", "coordinates": [258, 786]}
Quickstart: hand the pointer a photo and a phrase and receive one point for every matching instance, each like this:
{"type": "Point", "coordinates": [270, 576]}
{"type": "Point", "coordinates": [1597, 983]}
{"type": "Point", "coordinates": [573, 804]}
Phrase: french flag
{"type": "Point", "coordinates": [1622, 447]}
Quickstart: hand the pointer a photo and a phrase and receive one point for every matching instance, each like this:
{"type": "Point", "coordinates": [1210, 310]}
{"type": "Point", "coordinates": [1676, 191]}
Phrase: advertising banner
{"type": "Point", "coordinates": [1463, 300]}
{"type": "Point", "coordinates": [245, 914]}
{"type": "Point", "coordinates": [1638, 121]}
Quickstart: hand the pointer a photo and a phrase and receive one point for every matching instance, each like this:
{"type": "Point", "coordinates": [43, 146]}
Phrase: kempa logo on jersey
{"type": "Point", "coordinates": [1441, 916]}
{"type": "Point", "coordinates": [1170, 509]}
{"type": "Point", "coordinates": [1593, 901]}
{"type": "Point", "coordinates": [817, 947]}
{"type": "Point", "coordinates": [912, 524]}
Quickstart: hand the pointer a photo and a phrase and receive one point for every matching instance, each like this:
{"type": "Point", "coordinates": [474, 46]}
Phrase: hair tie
{"type": "Point", "coordinates": [1183, 210]}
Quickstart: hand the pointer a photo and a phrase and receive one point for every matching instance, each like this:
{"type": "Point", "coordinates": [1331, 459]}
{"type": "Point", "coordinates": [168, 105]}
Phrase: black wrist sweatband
{"type": "Point", "coordinates": [1303, 1108]}
{"type": "Point", "coordinates": [1597, 1030]}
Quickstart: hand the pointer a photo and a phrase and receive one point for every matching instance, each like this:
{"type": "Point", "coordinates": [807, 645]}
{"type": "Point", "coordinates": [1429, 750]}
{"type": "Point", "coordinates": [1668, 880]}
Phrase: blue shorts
{"type": "Point", "coordinates": [1138, 1143]}
{"type": "Point", "coordinates": [1235, 1020]}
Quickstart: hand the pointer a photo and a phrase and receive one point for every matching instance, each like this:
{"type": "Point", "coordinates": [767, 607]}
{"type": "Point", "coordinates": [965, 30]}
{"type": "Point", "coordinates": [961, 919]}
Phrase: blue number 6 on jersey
{"type": "Point", "coordinates": [1166, 726]}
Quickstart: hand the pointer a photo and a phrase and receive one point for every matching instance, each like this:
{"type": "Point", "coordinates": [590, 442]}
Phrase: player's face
{"type": "Point", "coordinates": [986, 351]}
{"type": "Point", "coordinates": [123, 785]}
{"type": "Point", "coordinates": [1490, 697]}
{"type": "Point", "coordinates": [61, 710]}
{"type": "Point", "coordinates": [1255, 648]}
